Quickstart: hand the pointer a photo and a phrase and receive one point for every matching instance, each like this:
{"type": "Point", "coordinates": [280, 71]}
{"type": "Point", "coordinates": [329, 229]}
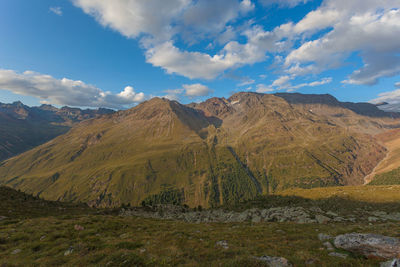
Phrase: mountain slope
{"type": "Point", "coordinates": [218, 151]}
{"type": "Point", "coordinates": [23, 127]}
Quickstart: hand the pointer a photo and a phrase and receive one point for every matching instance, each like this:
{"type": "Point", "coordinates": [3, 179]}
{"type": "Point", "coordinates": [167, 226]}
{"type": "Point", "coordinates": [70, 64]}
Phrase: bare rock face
{"type": "Point", "coordinates": [369, 245]}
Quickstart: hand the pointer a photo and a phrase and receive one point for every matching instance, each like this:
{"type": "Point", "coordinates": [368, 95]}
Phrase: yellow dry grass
{"type": "Point", "coordinates": [371, 194]}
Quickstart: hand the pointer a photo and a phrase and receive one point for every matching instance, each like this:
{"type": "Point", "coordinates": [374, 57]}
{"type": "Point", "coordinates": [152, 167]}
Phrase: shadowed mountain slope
{"type": "Point", "coordinates": [23, 127]}
{"type": "Point", "coordinates": [218, 151]}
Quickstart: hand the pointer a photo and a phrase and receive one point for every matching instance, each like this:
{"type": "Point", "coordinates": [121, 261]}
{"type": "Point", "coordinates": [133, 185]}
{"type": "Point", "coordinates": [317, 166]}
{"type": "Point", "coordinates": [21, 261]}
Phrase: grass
{"type": "Point", "coordinates": [51, 238]}
{"type": "Point", "coordinates": [388, 178]}
{"type": "Point", "coordinates": [367, 194]}
{"type": "Point", "coordinates": [121, 241]}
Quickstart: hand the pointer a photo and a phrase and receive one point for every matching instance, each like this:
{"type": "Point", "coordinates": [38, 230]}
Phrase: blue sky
{"type": "Point", "coordinates": [99, 53]}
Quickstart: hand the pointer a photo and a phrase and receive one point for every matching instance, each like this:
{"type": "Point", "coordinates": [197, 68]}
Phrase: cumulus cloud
{"type": "Point", "coordinates": [65, 91]}
{"type": "Point", "coordinates": [197, 89]}
{"type": "Point", "coordinates": [324, 39]}
{"type": "Point", "coordinates": [283, 83]}
{"type": "Point", "coordinates": [263, 88]}
{"type": "Point", "coordinates": [392, 98]}
{"type": "Point", "coordinates": [134, 17]}
{"type": "Point", "coordinates": [160, 20]}
{"type": "Point", "coordinates": [210, 16]}
{"type": "Point", "coordinates": [56, 10]}
{"type": "Point", "coordinates": [173, 94]}
{"type": "Point", "coordinates": [189, 90]}
{"type": "Point", "coordinates": [366, 27]}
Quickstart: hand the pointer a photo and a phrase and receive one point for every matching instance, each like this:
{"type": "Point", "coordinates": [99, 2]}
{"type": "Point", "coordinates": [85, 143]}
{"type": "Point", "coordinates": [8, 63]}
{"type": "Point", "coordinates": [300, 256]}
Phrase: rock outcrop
{"type": "Point", "coordinates": [369, 245]}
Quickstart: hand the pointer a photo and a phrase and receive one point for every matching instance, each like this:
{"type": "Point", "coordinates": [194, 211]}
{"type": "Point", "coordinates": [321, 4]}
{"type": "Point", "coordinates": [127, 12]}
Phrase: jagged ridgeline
{"type": "Point", "coordinates": [215, 152]}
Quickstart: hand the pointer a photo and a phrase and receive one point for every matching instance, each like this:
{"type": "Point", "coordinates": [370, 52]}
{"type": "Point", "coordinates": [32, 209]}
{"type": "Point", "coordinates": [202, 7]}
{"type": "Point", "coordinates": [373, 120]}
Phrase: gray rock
{"type": "Point", "coordinates": [373, 219]}
{"type": "Point", "coordinates": [322, 219]}
{"type": "Point", "coordinates": [316, 209]}
{"type": "Point", "coordinates": [324, 237]}
{"type": "Point", "coordinates": [274, 261]}
{"type": "Point", "coordinates": [351, 219]}
{"type": "Point", "coordinates": [68, 251]}
{"type": "Point", "coordinates": [369, 245]}
{"type": "Point", "coordinates": [223, 244]}
{"type": "Point", "coordinates": [42, 237]}
{"type": "Point", "coordinates": [336, 254]}
{"type": "Point", "coordinates": [256, 219]}
{"type": "Point", "coordinates": [16, 251]}
{"type": "Point", "coordinates": [331, 213]}
{"type": "Point", "coordinates": [3, 218]}
{"type": "Point", "coordinates": [391, 263]}
{"type": "Point", "coordinates": [339, 219]}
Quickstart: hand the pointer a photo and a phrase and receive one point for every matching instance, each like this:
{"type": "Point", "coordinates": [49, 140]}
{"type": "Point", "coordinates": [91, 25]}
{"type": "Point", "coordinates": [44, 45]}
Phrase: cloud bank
{"type": "Point", "coordinates": [65, 91]}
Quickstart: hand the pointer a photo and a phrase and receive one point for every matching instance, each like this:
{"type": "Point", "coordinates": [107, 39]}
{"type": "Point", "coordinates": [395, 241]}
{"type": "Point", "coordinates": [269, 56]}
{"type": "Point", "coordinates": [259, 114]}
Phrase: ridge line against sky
{"type": "Point", "coordinates": [99, 53]}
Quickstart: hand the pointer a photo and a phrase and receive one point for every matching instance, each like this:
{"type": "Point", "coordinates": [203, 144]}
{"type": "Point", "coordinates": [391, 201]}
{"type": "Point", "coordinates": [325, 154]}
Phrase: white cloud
{"type": "Point", "coordinates": [160, 20]}
{"type": "Point", "coordinates": [312, 84]}
{"type": "Point", "coordinates": [210, 16]}
{"type": "Point", "coordinates": [283, 83]}
{"type": "Point", "coordinates": [246, 81]}
{"type": "Point", "coordinates": [173, 94]}
{"type": "Point", "coordinates": [189, 64]}
{"type": "Point", "coordinates": [134, 17]}
{"type": "Point", "coordinates": [367, 27]}
{"type": "Point", "coordinates": [327, 35]}
{"type": "Point", "coordinates": [284, 3]}
{"type": "Point", "coordinates": [391, 97]}
{"type": "Point", "coordinates": [263, 88]}
{"type": "Point", "coordinates": [190, 90]}
{"type": "Point", "coordinates": [65, 91]}
{"type": "Point", "coordinates": [56, 10]}
{"type": "Point", "coordinates": [197, 89]}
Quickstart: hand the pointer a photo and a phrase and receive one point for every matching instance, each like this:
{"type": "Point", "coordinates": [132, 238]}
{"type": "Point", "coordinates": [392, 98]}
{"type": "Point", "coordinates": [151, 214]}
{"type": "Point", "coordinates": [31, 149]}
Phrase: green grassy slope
{"type": "Point", "coordinates": [387, 178]}
{"type": "Point", "coordinates": [219, 151]}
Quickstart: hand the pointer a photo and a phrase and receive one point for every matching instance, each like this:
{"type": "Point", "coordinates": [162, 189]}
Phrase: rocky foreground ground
{"type": "Point", "coordinates": [35, 232]}
{"type": "Point", "coordinates": [256, 215]}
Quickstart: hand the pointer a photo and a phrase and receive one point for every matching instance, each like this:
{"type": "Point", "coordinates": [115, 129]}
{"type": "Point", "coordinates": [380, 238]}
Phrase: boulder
{"type": "Point", "coordinates": [391, 263]}
{"type": "Point", "coordinates": [369, 245]}
{"type": "Point", "coordinates": [274, 261]}
{"type": "Point", "coordinates": [322, 219]}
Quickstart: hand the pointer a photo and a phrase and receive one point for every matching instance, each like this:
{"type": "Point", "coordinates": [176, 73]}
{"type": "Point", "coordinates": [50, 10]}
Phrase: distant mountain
{"type": "Point", "coordinates": [23, 127]}
{"type": "Point", "coordinates": [209, 153]}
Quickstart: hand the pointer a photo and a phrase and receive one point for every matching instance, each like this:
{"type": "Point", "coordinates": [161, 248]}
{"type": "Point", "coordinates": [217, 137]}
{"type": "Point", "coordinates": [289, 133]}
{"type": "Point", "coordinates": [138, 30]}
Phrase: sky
{"type": "Point", "coordinates": [116, 54]}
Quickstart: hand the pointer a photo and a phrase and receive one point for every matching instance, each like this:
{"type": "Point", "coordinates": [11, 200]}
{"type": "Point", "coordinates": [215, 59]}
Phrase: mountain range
{"type": "Point", "coordinates": [210, 153]}
{"type": "Point", "coordinates": [24, 127]}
